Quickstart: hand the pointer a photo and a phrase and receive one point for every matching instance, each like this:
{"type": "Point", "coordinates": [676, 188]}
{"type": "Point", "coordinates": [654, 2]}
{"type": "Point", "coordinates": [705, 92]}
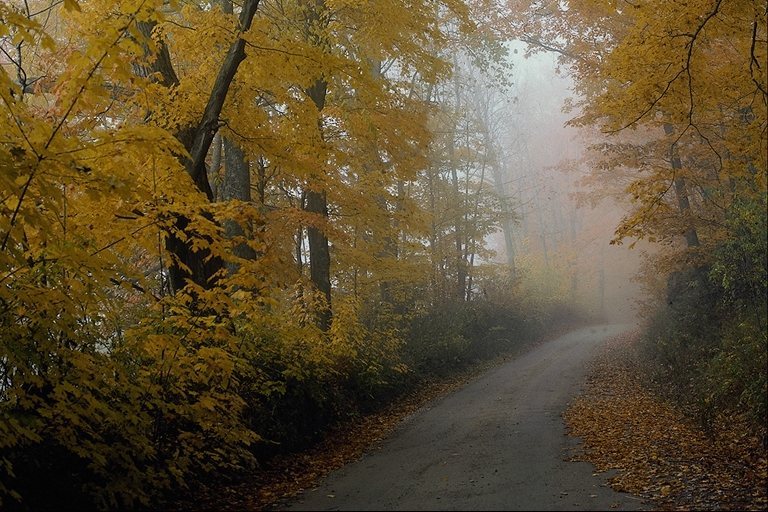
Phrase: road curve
{"type": "Point", "coordinates": [497, 444]}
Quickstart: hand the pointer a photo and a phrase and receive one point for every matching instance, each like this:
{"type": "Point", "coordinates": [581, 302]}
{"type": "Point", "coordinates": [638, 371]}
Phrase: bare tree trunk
{"type": "Point", "coordinates": [236, 184]}
{"type": "Point", "coordinates": [298, 249]}
{"type": "Point", "coordinates": [320, 256]}
{"type": "Point", "coordinates": [542, 230]}
{"type": "Point", "coordinates": [461, 274]}
{"type": "Point", "coordinates": [316, 202]}
{"type": "Point", "coordinates": [573, 268]}
{"type": "Point", "coordinates": [434, 254]}
{"type": "Point", "coordinates": [392, 243]}
{"type": "Point", "coordinates": [506, 221]}
{"type": "Point", "coordinates": [389, 233]}
{"type": "Point", "coordinates": [214, 176]}
{"type": "Point", "coordinates": [601, 281]}
{"type": "Point", "coordinates": [471, 245]}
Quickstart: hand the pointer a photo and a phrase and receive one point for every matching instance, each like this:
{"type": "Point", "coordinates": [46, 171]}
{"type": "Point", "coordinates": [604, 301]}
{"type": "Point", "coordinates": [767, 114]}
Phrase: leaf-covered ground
{"type": "Point", "coordinates": [657, 452]}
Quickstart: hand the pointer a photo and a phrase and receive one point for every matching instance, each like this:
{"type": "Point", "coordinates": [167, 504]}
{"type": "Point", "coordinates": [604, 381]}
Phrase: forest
{"type": "Point", "coordinates": [226, 226]}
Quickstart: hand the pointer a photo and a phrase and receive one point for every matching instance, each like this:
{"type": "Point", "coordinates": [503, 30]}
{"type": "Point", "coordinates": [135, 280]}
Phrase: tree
{"type": "Point", "coordinates": [152, 324]}
{"type": "Point", "coordinates": [679, 90]}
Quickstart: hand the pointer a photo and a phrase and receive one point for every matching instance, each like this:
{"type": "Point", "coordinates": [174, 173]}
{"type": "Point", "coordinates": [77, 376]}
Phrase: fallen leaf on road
{"type": "Point", "coordinates": [659, 453]}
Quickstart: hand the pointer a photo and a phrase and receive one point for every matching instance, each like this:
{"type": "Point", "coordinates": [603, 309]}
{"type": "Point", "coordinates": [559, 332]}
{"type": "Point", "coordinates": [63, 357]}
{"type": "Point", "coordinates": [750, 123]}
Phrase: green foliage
{"type": "Point", "coordinates": [437, 340]}
{"type": "Point", "coordinates": [735, 377]}
{"type": "Point", "coordinates": [710, 345]}
{"type": "Point", "coordinates": [737, 373]}
{"type": "Point", "coordinates": [739, 265]}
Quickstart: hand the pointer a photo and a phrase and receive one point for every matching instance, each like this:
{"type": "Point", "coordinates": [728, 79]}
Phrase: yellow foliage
{"type": "Point", "coordinates": [103, 367]}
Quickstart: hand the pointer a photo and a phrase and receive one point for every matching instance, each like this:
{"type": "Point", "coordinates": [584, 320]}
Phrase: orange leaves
{"type": "Point", "coordinates": [141, 386]}
{"type": "Point", "coordinates": [659, 453]}
{"type": "Point", "coordinates": [687, 65]}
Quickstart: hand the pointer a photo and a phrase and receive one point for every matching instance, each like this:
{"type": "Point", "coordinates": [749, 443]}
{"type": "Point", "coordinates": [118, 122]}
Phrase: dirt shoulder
{"type": "Point", "coordinates": [654, 450]}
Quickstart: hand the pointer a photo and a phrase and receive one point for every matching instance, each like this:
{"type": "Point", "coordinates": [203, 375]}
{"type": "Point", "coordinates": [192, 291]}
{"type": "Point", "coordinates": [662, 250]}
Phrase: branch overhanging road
{"type": "Point", "coordinates": [497, 444]}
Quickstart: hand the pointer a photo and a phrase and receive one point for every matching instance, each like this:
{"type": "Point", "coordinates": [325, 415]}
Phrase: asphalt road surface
{"type": "Point", "coordinates": [497, 444]}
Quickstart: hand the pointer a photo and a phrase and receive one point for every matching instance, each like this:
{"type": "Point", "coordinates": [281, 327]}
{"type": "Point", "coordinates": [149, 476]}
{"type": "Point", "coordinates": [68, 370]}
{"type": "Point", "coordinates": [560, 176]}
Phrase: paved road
{"type": "Point", "coordinates": [497, 444]}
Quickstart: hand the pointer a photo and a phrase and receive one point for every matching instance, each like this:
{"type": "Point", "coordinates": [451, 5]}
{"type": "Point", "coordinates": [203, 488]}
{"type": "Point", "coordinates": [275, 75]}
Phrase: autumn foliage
{"type": "Point", "coordinates": [656, 451]}
{"type": "Point", "coordinates": [675, 96]}
{"type": "Point", "coordinates": [224, 227]}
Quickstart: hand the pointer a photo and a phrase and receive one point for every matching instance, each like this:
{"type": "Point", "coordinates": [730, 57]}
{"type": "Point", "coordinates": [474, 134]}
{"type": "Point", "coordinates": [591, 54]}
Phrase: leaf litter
{"type": "Point", "coordinates": [658, 452]}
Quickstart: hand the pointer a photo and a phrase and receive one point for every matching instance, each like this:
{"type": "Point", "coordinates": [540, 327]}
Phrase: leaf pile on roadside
{"type": "Point", "coordinates": [659, 453]}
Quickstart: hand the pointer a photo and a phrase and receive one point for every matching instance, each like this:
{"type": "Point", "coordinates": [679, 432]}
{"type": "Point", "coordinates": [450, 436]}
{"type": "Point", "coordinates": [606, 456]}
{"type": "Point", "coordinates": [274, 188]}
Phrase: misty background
{"type": "Point", "coordinates": [542, 166]}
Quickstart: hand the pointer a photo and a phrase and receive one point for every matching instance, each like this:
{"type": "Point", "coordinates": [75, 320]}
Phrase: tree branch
{"type": "Point", "coordinates": [209, 124]}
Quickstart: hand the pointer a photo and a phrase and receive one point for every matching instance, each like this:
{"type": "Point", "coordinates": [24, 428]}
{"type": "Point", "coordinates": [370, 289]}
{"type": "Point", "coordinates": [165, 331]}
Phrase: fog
{"type": "Point", "coordinates": [543, 169]}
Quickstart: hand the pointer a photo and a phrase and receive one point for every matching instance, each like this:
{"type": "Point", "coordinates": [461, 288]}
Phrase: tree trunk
{"type": "Point", "coordinates": [506, 221]}
{"type": "Point", "coordinates": [236, 184]}
{"type": "Point", "coordinates": [601, 281]}
{"type": "Point", "coordinates": [391, 246]}
{"type": "Point", "coordinates": [189, 263]}
{"type": "Point", "coordinates": [461, 273]}
{"type": "Point", "coordinates": [436, 284]}
{"type": "Point", "coordinates": [681, 192]}
{"type": "Point", "coordinates": [390, 233]}
{"type": "Point", "coordinates": [316, 202]}
{"type": "Point", "coordinates": [320, 256]}
{"type": "Point", "coordinates": [472, 228]}
{"type": "Point", "coordinates": [214, 176]}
